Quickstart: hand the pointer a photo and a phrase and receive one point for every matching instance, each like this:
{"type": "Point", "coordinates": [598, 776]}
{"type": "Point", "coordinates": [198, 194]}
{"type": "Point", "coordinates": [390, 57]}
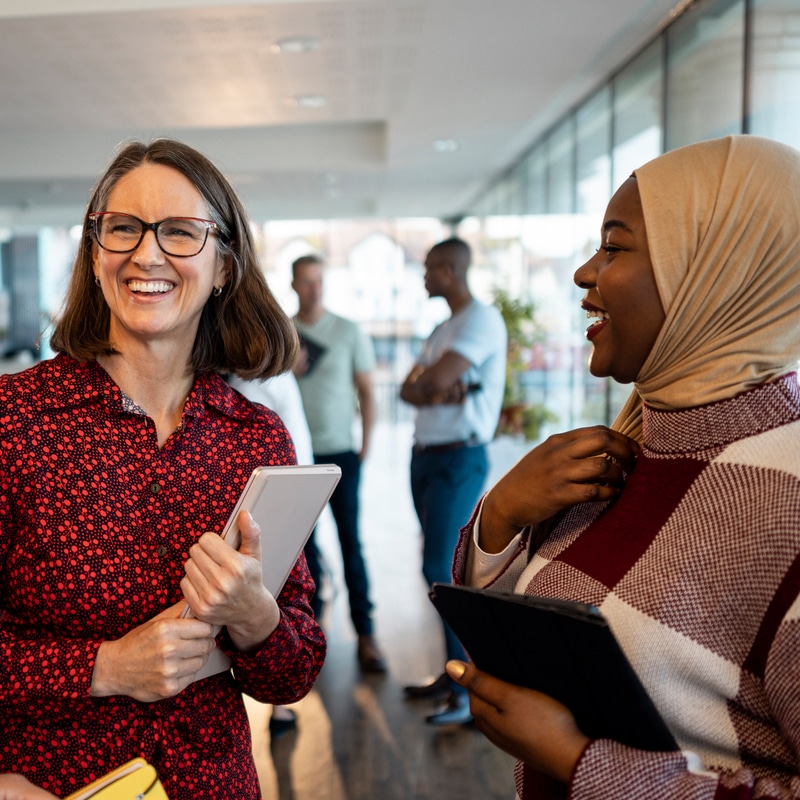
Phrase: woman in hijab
{"type": "Point", "coordinates": [685, 531]}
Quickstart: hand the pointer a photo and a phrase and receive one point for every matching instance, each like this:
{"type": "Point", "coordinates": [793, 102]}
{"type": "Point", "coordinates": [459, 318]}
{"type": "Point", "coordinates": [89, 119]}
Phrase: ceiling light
{"type": "Point", "coordinates": [295, 44]}
{"type": "Point", "coordinates": [445, 145]}
{"type": "Point", "coordinates": [310, 101]}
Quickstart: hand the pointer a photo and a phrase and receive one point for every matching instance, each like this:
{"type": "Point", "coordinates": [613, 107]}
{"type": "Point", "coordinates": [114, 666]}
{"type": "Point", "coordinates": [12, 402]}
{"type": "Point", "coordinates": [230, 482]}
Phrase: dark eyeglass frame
{"type": "Point", "coordinates": [96, 216]}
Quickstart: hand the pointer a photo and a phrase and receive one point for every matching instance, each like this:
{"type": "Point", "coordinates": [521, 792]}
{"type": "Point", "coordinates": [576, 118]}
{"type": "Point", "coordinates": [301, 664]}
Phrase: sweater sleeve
{"type": "Point", "coordinates": [473, 567]}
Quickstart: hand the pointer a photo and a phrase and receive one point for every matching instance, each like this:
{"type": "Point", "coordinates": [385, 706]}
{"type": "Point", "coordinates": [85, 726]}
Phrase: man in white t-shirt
{"type": "Point", "coordinates": [457, 386]}
{"type": "Point", "coordinates": [335, 368]}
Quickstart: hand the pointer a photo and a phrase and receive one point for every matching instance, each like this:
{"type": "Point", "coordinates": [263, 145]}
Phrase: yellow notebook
{"type": "Point", "coordinates": [136, 780]}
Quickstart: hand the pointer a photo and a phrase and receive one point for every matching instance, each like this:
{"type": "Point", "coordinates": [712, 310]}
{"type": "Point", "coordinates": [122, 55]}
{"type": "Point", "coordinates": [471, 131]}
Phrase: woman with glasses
{"type": "Point", "coordinates": [682, 524]}
{"type": "Point", "coordinates": [120, 461]}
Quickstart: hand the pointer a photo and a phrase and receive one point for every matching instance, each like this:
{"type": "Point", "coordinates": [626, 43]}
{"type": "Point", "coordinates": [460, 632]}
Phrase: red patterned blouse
{"type": "Point", "coordinates": [96, 522]}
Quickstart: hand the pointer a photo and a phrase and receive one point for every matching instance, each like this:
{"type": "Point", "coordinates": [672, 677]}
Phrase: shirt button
{"type": "Point", "coordinates": [155, 487]}
{"type": "Point", "coordinates": [161, 550]}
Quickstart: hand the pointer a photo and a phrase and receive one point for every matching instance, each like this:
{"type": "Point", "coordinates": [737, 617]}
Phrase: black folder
{"type": "Point", "coordinates": [314, 351]}
{"type": "Point", "coordinates": [563, 649]}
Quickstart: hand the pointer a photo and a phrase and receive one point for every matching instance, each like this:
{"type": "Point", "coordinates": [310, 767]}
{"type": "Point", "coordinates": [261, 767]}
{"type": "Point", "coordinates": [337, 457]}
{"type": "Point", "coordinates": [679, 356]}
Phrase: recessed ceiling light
{"type": "Point", "coordinates": [445, 145]}
{"type": "Point", "coordinates": [310, 101]}
{"type": "Point", "coordinates": [295, 44]}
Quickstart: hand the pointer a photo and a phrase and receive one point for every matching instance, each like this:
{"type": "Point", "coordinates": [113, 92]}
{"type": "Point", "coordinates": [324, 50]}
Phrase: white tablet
{"type": "Point", "coordinates": [286, 502]}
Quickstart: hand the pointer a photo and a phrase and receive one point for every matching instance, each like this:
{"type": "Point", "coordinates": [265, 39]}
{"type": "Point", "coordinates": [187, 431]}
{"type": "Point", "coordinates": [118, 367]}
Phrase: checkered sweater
{"type": "Point", "coordinates": [697, 568]}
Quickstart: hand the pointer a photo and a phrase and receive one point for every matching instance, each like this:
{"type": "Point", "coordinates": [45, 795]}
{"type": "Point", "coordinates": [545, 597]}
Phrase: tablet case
{"type": "Point", "coordinates": [134, 780]}
{"type": "Point", "coordinates": [563, 649]}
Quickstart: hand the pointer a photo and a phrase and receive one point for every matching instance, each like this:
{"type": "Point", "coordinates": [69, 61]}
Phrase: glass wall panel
{"type": "Point", "coordinates": [638, 111]}
{"type": "Point", "coordinates": [590, 396]}
{"type": "Point", "coordinates": [511, 193]}
{"type": "Point", "coordinates": [536, 182]}
{"type": "Point", "coordinates": [561, 174]}
{"type": "Point", "coordinates": [550, 241]}
{"type": "Point", "coordinates": [705, 73]}
{"type": "Point", "coordinates": [593, 153]}
{"type": "Point", "coordinates": [638, 136]}
{"type": "Point", "coordinates": [775, 86]}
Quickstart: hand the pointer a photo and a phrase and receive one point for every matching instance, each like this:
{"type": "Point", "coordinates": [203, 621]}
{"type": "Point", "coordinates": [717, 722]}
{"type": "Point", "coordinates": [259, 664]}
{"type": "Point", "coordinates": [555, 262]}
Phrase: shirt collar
{"type": "Point", "coordinates": [80, 383]}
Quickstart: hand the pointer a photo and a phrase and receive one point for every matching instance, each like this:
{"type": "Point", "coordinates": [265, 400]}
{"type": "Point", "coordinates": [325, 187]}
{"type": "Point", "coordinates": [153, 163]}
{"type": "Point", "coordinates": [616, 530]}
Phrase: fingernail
{"type": "Point", "coordinates": [455, 669]}
{"type": "Point", "coordinates": [253, 522]}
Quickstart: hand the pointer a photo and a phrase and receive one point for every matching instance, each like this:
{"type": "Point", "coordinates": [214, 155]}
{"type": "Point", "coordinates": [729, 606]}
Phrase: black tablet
{"type": "Point", "coordinates": [560, 648]}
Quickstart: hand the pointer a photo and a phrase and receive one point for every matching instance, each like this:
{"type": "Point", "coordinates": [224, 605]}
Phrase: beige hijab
{"type": "Point", "coordinates": [723, 227]}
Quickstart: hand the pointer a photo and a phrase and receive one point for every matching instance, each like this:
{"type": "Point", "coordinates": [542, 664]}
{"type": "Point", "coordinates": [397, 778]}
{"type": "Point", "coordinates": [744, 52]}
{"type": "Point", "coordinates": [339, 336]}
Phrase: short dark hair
{"type": "Point", "coordinates": [457, 246]}
{"type": "Point", "coordinates": [303, 260]}
{"type": "Point", "coordinates": [457, 253]}
{"type": "Point", "coordinates": [243, 331]}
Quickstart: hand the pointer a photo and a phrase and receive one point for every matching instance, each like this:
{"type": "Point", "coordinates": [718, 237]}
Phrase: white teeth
{"type": "Point", "coordinates": [151, 287]}
{"type": "Point", "coordinates": [596, 314]}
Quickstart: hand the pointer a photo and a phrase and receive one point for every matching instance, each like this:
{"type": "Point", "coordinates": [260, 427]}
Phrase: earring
{"type": "Point", "coordinates": [217, 291]}
{"type": "Point", "coordinates": [96, 281]}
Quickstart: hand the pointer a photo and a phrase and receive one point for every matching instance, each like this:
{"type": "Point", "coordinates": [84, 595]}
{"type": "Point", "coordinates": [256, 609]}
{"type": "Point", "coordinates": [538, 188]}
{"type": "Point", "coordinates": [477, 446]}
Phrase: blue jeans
{"type": "Point", "coordinates": [344, 505]}
{"type": "Point", "coordinates": [445, 487]}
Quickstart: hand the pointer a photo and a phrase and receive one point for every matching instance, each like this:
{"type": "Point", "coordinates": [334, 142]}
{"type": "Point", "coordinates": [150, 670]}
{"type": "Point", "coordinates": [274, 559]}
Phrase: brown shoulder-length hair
{"type": "Point", "coordinates": [243, 331]}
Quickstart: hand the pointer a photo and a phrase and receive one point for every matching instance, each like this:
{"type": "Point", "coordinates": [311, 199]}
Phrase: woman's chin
{"type": "Point", "coordinates": [599, 370]}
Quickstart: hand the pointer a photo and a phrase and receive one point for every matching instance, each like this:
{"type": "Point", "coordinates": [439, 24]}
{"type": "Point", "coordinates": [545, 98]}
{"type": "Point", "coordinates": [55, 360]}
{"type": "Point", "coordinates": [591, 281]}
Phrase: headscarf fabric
{"type": "Point", "coordinates": [723, 228]}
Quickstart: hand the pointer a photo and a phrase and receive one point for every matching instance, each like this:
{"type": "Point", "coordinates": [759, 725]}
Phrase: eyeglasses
{"type": "Point", "coordinates": [176, 236]}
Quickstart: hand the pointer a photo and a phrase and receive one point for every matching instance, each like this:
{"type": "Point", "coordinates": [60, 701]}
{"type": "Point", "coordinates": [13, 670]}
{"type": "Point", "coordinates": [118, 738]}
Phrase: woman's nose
{"type": "Point", "coordinates": [148, 251]}
{"type": "Point", "coordinates": [585, 275]}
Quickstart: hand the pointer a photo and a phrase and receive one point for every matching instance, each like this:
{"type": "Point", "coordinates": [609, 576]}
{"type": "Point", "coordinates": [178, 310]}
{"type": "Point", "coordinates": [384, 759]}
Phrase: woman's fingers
{"type": "Point", "coordinates": [527, 724]}
{"type": "Point", "coordinates": [154, 660]}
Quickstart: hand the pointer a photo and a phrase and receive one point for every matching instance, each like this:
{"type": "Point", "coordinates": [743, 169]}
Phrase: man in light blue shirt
{"type": "Point", "coordinates": [457, 387]}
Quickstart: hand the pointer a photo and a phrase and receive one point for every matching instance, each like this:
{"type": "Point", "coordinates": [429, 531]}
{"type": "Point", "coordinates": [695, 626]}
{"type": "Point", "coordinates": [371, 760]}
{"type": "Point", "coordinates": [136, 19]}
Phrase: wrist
{"type": "Point", "coordinates": [250, 636]}
{"type": "Point", "coordinates": [100, 686]}
{"type": "Point", "coordinates": [573, 750]}
{"type": "Point", "coordinates": [495, 530]}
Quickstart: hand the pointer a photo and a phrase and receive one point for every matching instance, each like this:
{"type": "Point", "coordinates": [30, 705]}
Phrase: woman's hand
{"type": "Point", "coordinates": [584, 465]}
{"type": "Point", "coordinates": [223, 586]}
{"type": "Point", "coordinates": [528, 725]}
{"type": "Point", "coordinates": [17, 787]}
{"type": "Point", "coordinates": [155, 660]}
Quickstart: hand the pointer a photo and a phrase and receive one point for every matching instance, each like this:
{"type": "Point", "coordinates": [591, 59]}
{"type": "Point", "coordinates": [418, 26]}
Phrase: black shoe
{"type": "Point", "coordinates": [280, 727]}
{"type": "Point", "coordinates": [454, 712]}
{"type": "Point", "coordinates": [370, 657]}
{"type": "Point", "coordinates": [430, 689]}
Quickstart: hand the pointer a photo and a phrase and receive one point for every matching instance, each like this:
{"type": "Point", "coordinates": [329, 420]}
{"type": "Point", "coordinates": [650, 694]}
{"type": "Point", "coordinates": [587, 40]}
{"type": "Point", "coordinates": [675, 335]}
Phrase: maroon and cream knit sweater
{"type": "Point", "coordinates": [697, 568]}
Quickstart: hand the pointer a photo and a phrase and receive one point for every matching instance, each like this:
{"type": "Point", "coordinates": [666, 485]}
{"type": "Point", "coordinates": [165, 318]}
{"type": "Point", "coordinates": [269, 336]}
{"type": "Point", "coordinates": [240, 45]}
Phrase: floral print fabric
{"type": "Point", "coordinates": [96, 522]}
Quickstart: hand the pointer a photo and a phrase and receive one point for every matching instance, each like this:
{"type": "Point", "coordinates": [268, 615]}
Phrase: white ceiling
{"type": "Point", "coordinates": [79, 76]}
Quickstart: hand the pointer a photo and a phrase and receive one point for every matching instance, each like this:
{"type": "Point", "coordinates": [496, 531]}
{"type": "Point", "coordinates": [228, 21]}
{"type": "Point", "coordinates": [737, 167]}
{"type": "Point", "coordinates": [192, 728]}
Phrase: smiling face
{"type": "Point", "coordinates": [622, 297]}
{"type": "Point", "coordinates": [153, 296]}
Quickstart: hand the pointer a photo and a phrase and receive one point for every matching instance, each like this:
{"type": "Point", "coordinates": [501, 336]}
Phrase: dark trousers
{"type": "Point", "coordinates": [344, 505]}
{"type": "Point", "coordinates": [445, 487]}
